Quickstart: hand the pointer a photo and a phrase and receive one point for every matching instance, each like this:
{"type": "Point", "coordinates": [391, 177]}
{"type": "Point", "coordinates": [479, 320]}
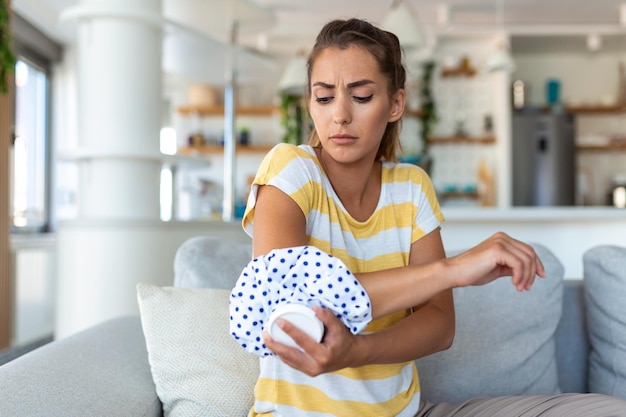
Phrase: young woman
{"type": "Point", "coordinates": [346, 194]}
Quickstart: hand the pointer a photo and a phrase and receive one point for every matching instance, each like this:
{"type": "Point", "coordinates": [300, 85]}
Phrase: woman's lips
{"type": "Point", "coordinates": [342, 139]}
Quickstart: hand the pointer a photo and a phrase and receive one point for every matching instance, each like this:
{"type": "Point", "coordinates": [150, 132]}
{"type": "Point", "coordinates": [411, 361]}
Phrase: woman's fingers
{"type": "Point", "coordinates": [500, 255]}
{"type": "Point", "coordinates": [332, 353]}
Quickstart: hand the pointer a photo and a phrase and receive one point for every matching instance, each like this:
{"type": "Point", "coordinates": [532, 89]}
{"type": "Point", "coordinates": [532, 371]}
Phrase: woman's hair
{"type": "Point", "coordinates": [385, 48]}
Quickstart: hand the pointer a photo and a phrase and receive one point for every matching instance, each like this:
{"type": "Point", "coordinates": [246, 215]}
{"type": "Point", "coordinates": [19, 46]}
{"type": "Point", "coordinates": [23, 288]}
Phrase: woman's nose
{"type": "Point", "coordinates": [341, 113]}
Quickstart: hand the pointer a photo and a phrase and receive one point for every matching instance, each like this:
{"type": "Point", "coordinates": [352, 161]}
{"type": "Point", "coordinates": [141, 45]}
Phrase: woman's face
{"type": "Point", "coordinates": [350, 103]}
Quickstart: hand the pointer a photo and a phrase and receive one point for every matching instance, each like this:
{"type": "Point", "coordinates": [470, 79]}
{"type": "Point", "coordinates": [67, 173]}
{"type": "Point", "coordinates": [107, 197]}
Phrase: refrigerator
{"type": "Point", "coordinates": [544, 159]}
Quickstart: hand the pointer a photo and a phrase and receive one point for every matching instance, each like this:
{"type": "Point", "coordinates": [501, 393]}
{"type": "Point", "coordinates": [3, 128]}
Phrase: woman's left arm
{"type": "Point", "coordinates": [431, 326]}
{"type": "Point", "coordinates": [428, 330]}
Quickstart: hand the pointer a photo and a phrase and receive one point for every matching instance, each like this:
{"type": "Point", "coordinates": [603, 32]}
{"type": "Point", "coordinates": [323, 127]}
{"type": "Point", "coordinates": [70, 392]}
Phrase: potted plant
{"type": "Point", "coordinates": [7, 59]}
{"type": "Point", "coordinates": [292, 117]}
{"type": "Point", "coordinates": [428, 113]}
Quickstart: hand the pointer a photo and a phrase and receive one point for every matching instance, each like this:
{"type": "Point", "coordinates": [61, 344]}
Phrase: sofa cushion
{"type": "Point", "coordinates": [504, 343]}
{"type": "Point", "coordinates": [198, 369]}
{"type": "Point", "coordinates": [210, 262]}
{"type": "Point", "coordinates": [604, 269]}
{"type": "Point", "coordinates": [99, 371]}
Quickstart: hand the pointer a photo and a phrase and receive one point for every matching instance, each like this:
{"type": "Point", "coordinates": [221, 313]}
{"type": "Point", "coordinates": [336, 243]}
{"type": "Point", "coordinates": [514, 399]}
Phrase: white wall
{"type": "Point", "coordinates": [111, 257]}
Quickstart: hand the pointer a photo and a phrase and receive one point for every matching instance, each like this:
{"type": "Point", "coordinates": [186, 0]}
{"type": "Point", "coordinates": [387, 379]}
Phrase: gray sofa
{"type": "Point", "coordinates": [507, 343]}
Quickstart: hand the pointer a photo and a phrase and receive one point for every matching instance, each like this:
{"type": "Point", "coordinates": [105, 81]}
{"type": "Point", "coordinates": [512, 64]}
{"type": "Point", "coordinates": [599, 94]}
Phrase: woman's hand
{"type": "Point", "coordinates": [498, 256]}
{"type": "Point", "coordinates": [335, 351]}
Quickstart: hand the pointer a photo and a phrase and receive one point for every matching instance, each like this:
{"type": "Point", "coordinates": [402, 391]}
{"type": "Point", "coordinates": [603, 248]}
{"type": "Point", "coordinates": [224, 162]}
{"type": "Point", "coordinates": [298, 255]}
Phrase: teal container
{"type": "Point", "coordinates": [553, 92]}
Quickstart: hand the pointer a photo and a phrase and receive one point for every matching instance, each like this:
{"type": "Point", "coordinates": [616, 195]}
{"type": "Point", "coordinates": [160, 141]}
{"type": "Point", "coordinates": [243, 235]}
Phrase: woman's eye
{"type": "Point", "coordinates": [363, 99]}
{"type": "Point", "coordinates": [323, 99]}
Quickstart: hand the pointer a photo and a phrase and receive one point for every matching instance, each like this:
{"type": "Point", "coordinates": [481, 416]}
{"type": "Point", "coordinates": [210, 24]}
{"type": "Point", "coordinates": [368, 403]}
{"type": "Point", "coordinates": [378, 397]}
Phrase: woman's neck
{"type": "Point", "coordinates": [357, 185]}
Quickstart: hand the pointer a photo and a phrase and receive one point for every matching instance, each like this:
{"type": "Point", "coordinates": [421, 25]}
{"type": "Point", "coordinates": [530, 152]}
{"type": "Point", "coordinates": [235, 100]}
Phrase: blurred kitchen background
{"type": "Point", "coordinates": [139, 119]}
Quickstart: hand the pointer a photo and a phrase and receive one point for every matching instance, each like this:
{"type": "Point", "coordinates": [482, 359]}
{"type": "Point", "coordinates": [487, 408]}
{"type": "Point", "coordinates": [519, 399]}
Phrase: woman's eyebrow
{"type": "Point", "coordinates": [350, 85]}
{"type": "Point", "coordinates": [359, 83]}
{"type": "Point", "coordinates": [323, 85]}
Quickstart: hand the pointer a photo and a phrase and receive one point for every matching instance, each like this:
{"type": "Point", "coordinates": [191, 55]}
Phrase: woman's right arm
{"type": "Point", "coordinates": [498, 256]}
{"type": "Point", "coordinates": [280, 223]}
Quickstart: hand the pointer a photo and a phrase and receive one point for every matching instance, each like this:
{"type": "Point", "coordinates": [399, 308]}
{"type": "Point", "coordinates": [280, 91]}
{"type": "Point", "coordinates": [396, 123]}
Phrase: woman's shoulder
{"type": "Point", "coordinates": [403, 172]}
{"type": "Point", "coordinates": [290, 151]}
{"type": "Point", "coordinates": [289, 159]}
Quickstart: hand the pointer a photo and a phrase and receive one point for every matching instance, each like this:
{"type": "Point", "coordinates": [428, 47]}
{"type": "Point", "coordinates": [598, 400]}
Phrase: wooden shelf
{"type": "Point", "coordinates": [217, 149]}
{"type": "Point", "coordinates": [413, 112]}
{"type": "Point", "coordinates": [596, 109]}
{"type": "Point", "coordinates": [609, 147]}
{"type": "Point", "coordinates": [434, 140]}
{"type": "Point", "coordinates": [458, 72]}
{"type": "Point", "coordinates": [219, 110]}
{"type": "Point", "coordinates": [459, 194]}
{"type": "Point", "coordinates": [611, 109]}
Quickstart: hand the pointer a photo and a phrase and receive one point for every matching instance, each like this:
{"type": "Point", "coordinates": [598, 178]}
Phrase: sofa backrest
{"type": "Point", "coordinates": [550, 332]}
{"type": "Point", "coordinates": [572, 340]}
{"type": "Point", "coordinates": [208, 262]}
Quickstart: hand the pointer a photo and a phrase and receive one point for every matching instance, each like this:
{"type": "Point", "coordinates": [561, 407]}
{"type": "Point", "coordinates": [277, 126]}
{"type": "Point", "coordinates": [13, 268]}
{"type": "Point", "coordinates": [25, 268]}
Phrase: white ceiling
{"type": "Point", "coordinates": [298, 20]}
{"type": "Point", "coordinates": [272, 30]}
{"type": "Point", "coordinates": [291, 24]}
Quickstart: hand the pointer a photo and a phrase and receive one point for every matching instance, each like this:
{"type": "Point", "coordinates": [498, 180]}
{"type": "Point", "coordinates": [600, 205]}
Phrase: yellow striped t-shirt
{"type": "Point", "coordinates": [407, 210]}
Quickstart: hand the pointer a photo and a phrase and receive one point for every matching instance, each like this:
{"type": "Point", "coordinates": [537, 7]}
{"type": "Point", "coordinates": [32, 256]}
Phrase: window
{"type": "Point", "coordinates": [30, 159]}
{"type": "Point", "coordinates": [30, 149]}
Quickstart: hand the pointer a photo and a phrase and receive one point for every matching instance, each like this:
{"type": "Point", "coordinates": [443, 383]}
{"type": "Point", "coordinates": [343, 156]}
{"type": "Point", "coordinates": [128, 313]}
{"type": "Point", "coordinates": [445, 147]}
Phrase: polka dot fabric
{"type": "Point", "coordinates": [300, 275]}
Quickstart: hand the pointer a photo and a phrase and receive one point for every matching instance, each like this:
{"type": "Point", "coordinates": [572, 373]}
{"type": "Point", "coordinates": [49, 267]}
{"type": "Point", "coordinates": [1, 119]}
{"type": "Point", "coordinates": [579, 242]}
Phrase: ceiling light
{"type": "Point", "coordinates": [443, 14]}
{"type": "Point", "coordinates": [294, 77]}
{"type": "Point", "coordinates": [594, 42]}
{"type": "Point", "coordinates": [402, 22]}
{"type": "Point", "coordinates": [501, 59]}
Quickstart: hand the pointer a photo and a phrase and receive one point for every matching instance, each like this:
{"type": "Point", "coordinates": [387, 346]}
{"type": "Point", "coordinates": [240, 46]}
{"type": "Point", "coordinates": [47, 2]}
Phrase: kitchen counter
{"type": "Point", "coordinates": [567, 231]}
{"type": "Point", "coordinates": [537, 214]}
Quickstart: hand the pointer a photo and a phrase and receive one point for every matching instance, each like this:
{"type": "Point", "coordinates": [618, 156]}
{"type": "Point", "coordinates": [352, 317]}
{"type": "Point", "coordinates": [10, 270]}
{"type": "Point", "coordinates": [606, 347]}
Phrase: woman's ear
{"type": "Point", "coordinates": [398, 101]}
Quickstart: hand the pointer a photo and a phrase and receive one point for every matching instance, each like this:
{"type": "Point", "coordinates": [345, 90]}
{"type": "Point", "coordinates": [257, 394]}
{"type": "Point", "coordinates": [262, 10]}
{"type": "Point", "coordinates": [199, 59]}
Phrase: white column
{"type": "Point", "coordinates": [504, 160]}
{"type": "Point", "coordinates": [119, 64]}
{"type": "Point", "coordinates": [102, 254]}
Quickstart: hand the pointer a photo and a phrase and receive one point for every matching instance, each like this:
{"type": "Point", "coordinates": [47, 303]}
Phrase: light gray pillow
{"type": "Point", "coordinates": [210, 262]}
{"type": "Point", "coordinates": [198, 369]}
{"type": "Point", "coordinates": [504, 343]}
{"type": "Point", "coordinates": [604, 270]}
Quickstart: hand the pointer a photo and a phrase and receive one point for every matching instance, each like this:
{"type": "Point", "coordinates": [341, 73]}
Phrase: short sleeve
{"type": "Point", "coordinates": [428, 214]}
{"type": "Point", "coordinates": [292, 170]}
